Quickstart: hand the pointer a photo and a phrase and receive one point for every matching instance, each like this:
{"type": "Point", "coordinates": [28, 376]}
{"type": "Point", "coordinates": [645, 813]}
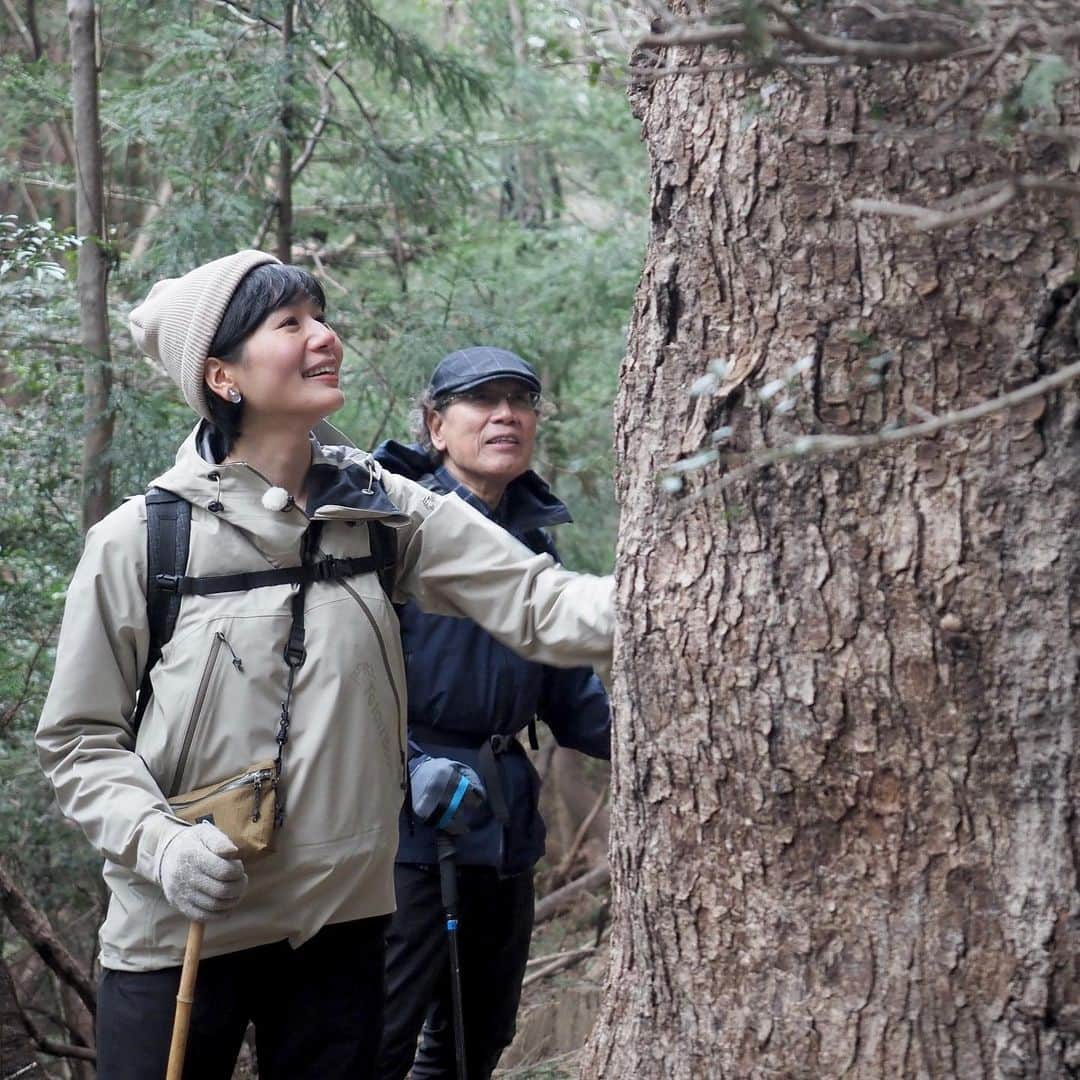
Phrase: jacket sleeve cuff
{"type": "Point", "coordinates": [159, 831]}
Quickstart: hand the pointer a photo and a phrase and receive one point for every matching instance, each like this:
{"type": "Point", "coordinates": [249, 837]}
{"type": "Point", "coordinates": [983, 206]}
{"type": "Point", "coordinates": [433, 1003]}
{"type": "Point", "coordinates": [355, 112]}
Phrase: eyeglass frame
{"type": "Point", "coordinates": [528, 399]}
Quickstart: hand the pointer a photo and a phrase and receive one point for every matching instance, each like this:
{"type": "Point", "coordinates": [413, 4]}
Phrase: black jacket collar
{"type": "Point", "coordinates": [528, 502]}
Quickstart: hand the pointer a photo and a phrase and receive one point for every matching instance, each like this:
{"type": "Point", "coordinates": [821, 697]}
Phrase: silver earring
{"type": "Point", "coordinates": [234, 395]}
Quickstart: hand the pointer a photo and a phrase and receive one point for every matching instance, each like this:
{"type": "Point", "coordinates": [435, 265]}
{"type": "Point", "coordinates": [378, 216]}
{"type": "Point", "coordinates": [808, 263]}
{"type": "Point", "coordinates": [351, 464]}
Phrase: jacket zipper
{"type": "Point", "coordinates": [389, 673]}
{"type": "Point", "coordinates": [196, 709]}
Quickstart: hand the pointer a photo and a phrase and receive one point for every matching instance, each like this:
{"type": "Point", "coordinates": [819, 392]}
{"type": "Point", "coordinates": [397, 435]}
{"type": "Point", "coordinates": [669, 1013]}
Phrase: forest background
{"type": "Point", "coordinates": [844, 824]}
{"type": "Point", "coordinates": [456, 174]}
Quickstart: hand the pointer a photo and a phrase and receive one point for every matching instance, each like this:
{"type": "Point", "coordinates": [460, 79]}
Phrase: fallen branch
{"type": "Point", "coordinates": [559, 963]}
{"type": "Point", "coordinates": [534, 960]}
{"type": "Point", "coordinates": [65, 1050]}
{"type": "Point", "coordinates": [554, 902]}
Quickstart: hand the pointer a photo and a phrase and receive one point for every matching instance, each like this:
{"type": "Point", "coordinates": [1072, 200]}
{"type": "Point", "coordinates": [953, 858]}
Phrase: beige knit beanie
{"type": "Point", "coordinates": [176, 323]}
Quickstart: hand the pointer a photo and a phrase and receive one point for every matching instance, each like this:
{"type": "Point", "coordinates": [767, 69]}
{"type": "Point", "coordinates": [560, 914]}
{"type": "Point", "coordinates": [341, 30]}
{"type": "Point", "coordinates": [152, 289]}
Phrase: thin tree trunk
{"type": "Point", "coordinates": [284, 194]}
{"type": "Point", "coordinates": [845, 836]}
{"type": "Point", "coordinates": [523, 197]}
{"type": "Point", "coordinates": [93, 266]}
{"type": "Point", "coordinates": [162, 197]}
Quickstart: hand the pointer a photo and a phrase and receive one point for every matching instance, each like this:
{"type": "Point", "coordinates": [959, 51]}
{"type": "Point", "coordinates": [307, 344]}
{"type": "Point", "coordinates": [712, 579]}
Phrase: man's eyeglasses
{"type": "Point", "coordinates": [486, 397]}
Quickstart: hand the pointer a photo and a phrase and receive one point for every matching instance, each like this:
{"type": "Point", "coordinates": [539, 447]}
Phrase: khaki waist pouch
{"type": "Point", "coordinates": [241, 806]}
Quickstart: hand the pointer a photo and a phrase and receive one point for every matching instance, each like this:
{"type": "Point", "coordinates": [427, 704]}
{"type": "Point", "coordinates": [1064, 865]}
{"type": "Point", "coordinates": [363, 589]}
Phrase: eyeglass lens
{"type": "Point", "coordinates": [492, 399]}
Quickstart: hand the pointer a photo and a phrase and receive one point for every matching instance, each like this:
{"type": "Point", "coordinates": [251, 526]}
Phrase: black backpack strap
{"type": "Point", "coordinates": [328, 568]}
{"type": "Point", "coordinates": [383, 541]}
{"type": "Point", "coordinates": [168, 532]}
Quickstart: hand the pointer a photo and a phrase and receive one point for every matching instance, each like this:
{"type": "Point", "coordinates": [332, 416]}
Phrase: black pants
{"type": "Point", "coordinates": [317, 1011]}
{"type": "Point", "coordinates": [495, 925]}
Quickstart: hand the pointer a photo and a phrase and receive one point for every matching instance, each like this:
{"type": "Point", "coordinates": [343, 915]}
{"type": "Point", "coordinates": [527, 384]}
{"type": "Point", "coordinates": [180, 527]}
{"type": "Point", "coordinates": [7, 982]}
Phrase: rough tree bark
{"type": "Point", "coordinates": [845, 782]}
{"type": "Point", "coordinates": [93, 271]}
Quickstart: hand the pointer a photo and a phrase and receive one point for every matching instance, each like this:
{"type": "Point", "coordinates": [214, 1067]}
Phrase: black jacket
{"type": "Point", "coordinates": [464, 687]}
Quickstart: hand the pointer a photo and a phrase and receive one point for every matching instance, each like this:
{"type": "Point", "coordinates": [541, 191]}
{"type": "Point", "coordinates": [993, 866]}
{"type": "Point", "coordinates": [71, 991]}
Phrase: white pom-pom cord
{"type": "Point", "coordinates": [277, 498]}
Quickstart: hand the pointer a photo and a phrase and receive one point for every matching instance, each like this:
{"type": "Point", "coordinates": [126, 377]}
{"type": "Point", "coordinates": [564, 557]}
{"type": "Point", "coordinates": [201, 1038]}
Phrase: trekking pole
{"type": "Point", "coordinates": [184, 997]}
{"type": "Point", "coordinates": [447, 851]}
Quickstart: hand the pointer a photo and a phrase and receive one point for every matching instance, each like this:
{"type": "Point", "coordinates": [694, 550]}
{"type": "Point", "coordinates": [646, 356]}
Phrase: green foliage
{"type": "Point", "coordinates": [405, 58]}
{"type": "Point", "coordinates": [467, 185]}
{"type": "Point", "coordinates": [34, 92]}
{"type": "Point", "coordinates": [32, 250]}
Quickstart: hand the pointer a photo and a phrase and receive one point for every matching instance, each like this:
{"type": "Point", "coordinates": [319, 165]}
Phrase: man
{"type": "Point", "coordinates": [469, 697]}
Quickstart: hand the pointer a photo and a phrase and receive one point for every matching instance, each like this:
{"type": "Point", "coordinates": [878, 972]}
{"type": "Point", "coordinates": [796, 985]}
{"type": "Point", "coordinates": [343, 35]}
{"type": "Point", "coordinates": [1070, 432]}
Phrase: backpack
{"type": "Point", "coordinates": [168, 532]}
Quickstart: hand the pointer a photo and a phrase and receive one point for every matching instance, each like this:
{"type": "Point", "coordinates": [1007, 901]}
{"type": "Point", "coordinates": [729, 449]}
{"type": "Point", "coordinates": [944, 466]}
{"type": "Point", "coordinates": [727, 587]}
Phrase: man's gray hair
{"type": "Point", "coordinates": [422, 408]}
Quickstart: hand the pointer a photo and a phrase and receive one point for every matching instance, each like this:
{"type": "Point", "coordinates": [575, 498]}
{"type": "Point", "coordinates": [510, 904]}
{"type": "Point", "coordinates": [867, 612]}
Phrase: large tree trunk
{"type": "Point", "coordinates": [845, 777]}
{"type": "Point", "coordinates": [93, 272]}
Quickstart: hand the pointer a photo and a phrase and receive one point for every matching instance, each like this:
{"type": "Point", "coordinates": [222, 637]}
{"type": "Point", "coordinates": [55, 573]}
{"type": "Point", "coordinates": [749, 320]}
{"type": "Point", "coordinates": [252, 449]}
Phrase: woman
{"type": "Point", "coordinates": [308, 675]}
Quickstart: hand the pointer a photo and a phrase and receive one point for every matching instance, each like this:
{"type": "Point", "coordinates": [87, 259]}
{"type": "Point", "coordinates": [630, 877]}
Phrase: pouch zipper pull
{"type": "Point", "coordinates": [257, 813]}
{"type": "Point", "coordinates": [236, 661]}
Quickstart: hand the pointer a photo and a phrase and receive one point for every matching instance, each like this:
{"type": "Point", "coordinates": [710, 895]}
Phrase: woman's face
{"type": "Point", "coordinates": [487, 436]}
{"type": "Point", "coordinates": [288, 367]}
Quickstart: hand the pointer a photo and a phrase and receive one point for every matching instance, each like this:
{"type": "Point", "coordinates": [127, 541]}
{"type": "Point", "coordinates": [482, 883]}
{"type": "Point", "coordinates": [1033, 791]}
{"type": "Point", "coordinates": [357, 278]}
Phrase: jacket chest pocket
{"type": "Point", "coordinates": [221, 655]}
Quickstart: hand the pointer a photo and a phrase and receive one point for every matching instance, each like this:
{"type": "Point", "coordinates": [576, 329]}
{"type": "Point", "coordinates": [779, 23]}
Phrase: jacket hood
{"type": "Point", "coordinates": [343, 484]}
{"type": "Point", "coordinates": [528, 502]}
{"type": "Point", "coordinates": [410, 461]}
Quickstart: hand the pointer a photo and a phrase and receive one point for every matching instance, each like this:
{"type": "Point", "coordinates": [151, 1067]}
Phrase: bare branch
{"type": "Point", "coordinates": [162, 197]}
{"type": "Point", "coordinates": [722, 34]}
{"type": "Point", "coordinates": [817, 445]}
{"type": "Point", "coordinates": [536, 961]}
{"type": "Point", "coordinates": [579, 837]}
{"type": "Point", "coordinates": [21, 27]}
{"type": "Point", "coordinates": [320, 123]}
{"type": "Point", "coordinates": [564, 960]}
{"type": "Point", "coordinates": [66, 1050]}
{"type": "Point", "coordinates": [264, 225]}
{"type": "Point", "coordinates": [60, 185]}
{"type": "Point", "coordinates": [789, 29]}
{"type": "Point", "coordinates": [977, 77]}
{"type": "Point", "coordinates": [925, 218]}
{"type": "Point", "coordinates": [31, 667]}
{"type": "Point", "coordinates": [989, 199]}
{"type": "Point", "coordinates": [36, 928]}
{"type": "Point", "coordinates": [826, 45]}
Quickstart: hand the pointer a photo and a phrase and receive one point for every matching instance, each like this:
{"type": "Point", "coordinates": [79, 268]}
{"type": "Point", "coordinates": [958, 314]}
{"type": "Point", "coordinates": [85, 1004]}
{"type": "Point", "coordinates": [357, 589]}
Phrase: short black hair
{"type": "Point", "coordinates": [261, 291]}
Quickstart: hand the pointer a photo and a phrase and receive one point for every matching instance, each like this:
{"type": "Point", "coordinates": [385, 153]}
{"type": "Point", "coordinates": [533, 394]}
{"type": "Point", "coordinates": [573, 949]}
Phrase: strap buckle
{"type": "Point", "coordinates": [168, 582]}
{"type": "Point", "coordinates": [500, 744]}
{"type": "Point", "coordinates": [295, 654]}
{"type": "Point", "coordinates": [325, 569]}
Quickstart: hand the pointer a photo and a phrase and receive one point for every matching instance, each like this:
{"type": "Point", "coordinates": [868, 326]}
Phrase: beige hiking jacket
{"type": "Point", "coordinates": [220, 684]}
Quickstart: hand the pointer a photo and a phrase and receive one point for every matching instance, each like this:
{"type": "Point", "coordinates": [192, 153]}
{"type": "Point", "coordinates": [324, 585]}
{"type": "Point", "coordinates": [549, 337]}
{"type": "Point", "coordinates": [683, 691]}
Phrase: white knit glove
{"type": "Point", "coordinates": [200, 872]}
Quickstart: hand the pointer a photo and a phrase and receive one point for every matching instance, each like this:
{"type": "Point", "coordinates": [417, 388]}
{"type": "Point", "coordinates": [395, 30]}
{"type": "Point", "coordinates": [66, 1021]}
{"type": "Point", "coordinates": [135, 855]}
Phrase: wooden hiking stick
{"type": "Point", "coordinates": [184, 997]}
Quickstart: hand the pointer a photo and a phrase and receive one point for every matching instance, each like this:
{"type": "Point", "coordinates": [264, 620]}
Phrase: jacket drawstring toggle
{"type": "Point", "coordinates": [216, 506]}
